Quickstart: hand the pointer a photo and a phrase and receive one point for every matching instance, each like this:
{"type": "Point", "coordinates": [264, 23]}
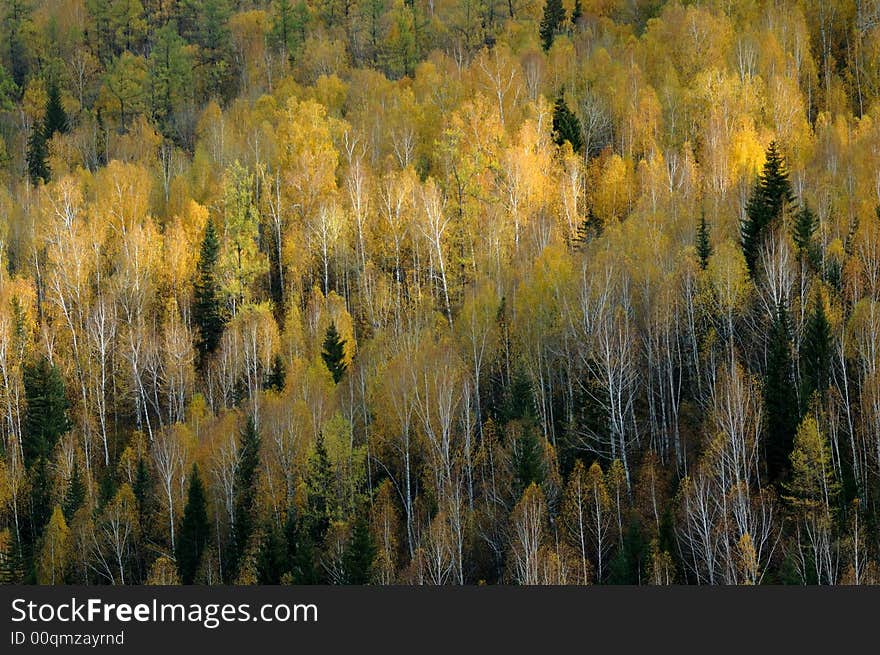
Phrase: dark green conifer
{"type": "Point", "coordinates": [37, 155]}
{"type": "Point", "coordinates": [780, 399]}
{"type": "Point", "coordinates": [245, 491]}
{"type": "Point", "coordinates": [272, 555]}
{"type": "Point", "coordinates": [321, 485]}
{"type": "Point", "coordinates": [275, 379]}
{"type": "Point", "coordinates": [359, 552]}
{"type": "Point", "coordinates": [76, 493]}
{"type": "Point", "coordinates": [704, 244]}
{"type": "Point", "coordinates": [566, 126]}
{"type": "Point", "coordinates": [769, 197]}
{"type": "Point", "coordinates": [333, 353]}
{"type": "Point", "coordinates": [816, 351]}
{"type": "Point", "coordinates": [300, 550]}
{"type": "Point", "coordinates": [55, 118]}
{"type": "Point", "coordinates": [528, 459]}
{"type": "Point", "coordinates": [195, 530]}
{"type": "Point", "coordinates": [207, 309]}
{"type": "Point", "coordinates": [46, 414]}
{"type": "Point", "coordinates": [803, 229]}
{"type": "Point", "coordinates": [551, 22]}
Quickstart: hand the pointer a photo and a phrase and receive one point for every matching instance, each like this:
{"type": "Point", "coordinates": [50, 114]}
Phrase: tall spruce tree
{"type": "Point", "coordinates": [320, 486]}
{"type": "Point", "coordinates": [566, 126]}
{"type": "Point", "coordinates": [704, 244]}
{"type": "Point", "coordinates": [551, 22]}
{"type": "Point", "coordinates": [37, 155]}
{"type": "Point", "coordinates": [46, 414]}
{"type": "Point", "coordinates": [333, 353]}
{"type": "Point", "coordinates": [75, 494]}
{"type": "Point", "coordinates": [207, 308]}
{"type": "Point", "coordinates": [528, 459]}
{"type": "Point", "coordinates": [359, 552]}
{"type": "Point", "coordinates": [195, 530]}
{"type": "Point", "coordinates": [802, 231]}
{"type": "Point", "coordinates": [276, 377]}
{"type": "Point", "coordinates": [41, 492]}
{"type": "Point", "coordinates": [300, 549]}
{"type": "Point", "coordinates": [142, 488]}
{"type": "Point", "coordinates": [780, 398]}
{"type": "Point", "coordinates": [245, 491]}
{"type": "Point", "coordinates": [816, 351]}
{"type": "Point", "coordinates": [55, 118]}
{"type": "Point", "coordinates": [272, 555]}
{"type": "Point", "coordinates": [769, 197]}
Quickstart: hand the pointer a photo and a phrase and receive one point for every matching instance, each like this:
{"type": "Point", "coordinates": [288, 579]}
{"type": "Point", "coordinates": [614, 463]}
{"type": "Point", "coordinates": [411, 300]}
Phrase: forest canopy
{"type": "Point", "coordinates": [439, 292]}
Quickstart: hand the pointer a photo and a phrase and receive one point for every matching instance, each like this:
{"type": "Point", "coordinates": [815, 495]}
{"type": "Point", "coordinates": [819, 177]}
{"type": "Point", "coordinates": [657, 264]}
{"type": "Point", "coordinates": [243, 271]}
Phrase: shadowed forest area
{"type": "Point", "coordinates": [440, 292]}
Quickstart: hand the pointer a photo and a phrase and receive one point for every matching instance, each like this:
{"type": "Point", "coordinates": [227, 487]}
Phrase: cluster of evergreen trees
{"type": "Point", "coordinates": [380, 293]}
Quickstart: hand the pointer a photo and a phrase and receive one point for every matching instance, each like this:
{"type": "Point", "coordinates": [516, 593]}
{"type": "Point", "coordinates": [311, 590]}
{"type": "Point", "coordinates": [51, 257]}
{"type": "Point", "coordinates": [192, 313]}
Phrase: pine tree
{"type": "Point", "coordinates": [780, 400]}
{"type": "Point", "coordinates": [37, 154]}
{"type": "Point", "coordinates": [55, 118]}
{"type": "Point", "coordinates": [76, 493]}
{"type": "Point", "coordinates": [106, 487]}
{"type": "Point", "coordinates": [587, 230]}
{"type": "Point", "coordinates": [770, 195]}
{"type": "Point", "coordinates": [333, 353]}
{"type": "Point", "coordinates": [528, 460]}
{"type": "Point", "coordinates": [142, 483]}
{"type": "Point", "coordinates": [141, 488]}
{"type": "Point", "coordinates": [16, 16]}
{"type": "Point", "coordinates": [8, 90]}
{"type": "Point", "coordinates": [359, 552]}
{"type": "Point", "coordinates": [289, 23]}
{"type": "Point", "coordinates": [704, 244]}
{"type": "Point", "coordinates": [195, 530]}
{"type": "Point", "coordinates": [272, 555]}
{"type": "Point", "coordinates": [40, 498]}
{"type": "Point", "coordinates": [803, 229]}
{"type": "Point", "coordinates": [816, 350]}
{"type": "Point", "coordinates": [300, 550]}
{"type": "Point", "coordinates": [171, 75]}
{"type": "Point", "coordinates": [12, 563]}
{"type": "Point", "coordinates": [551, 22]}
{"type": "Point", "coordinates": [566, 126]}
{"type": "Point", "coordinates": [519, 402]}
{"type": "Point", "coordinates": [207, 310]}
{"type": "Point", "coordinates": [46, 415]}
{"type": "Point", "coordinates": [216, 52]}
{"type": "Point", "coordinates": [245, 492]}
{"type": "Point", "coordinates": [275, 379]}
{"type": "Point", "coordinates": [625, 567]}
{"type": "Point", "coordinates": [320, 485]}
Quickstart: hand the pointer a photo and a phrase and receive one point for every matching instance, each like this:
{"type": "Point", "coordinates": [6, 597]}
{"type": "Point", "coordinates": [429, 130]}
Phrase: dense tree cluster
{"type": "Point", "coordinates": [399, 291]}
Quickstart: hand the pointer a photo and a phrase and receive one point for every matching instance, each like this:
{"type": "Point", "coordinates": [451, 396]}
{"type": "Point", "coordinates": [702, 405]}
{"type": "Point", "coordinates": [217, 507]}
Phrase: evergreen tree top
{"type": "Point", "coordinates": [704, 244]}
{"type": "Point", "coordinates": [773, 182]}
{"type": "Point", "coordinates": [55, 119]}
{"type": "Point", "coordinates": [566, 126]}
{"type": "Point", "coordinates": [551, 22]}
{"type": "Point", "coordinates": [333, 353]}
{"type": "Point", "coordinates": [210, 244]}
